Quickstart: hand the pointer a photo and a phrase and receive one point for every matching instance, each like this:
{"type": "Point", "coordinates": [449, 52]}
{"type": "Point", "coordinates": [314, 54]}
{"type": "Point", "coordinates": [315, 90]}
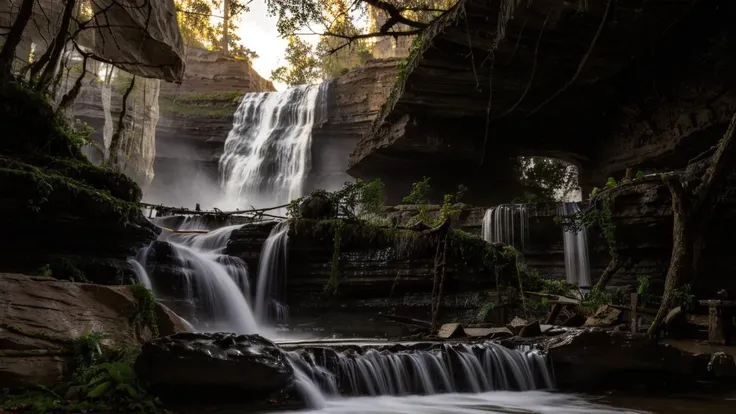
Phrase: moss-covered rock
{"type": "Point", "coordinates": [57, 210]}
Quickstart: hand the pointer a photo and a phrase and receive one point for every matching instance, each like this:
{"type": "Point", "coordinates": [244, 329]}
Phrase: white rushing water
{"type": "Point", "coordinates": [267, 153]}
{"type": "Point", "coordinates": [271, 282]}
{"type": "Point", "coordinates": [577, 266]}
{"type": "Point", "coordinates": [216, 284]}
{"type": "Point", "coordinates": [500, 224]}
{"type": "Point", "coordinates": [442, 369]}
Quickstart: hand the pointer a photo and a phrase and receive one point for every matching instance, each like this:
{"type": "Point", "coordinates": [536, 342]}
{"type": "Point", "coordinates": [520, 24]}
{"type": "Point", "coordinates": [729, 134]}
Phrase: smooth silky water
{"type": "Point", "coordinates": [265, 163]}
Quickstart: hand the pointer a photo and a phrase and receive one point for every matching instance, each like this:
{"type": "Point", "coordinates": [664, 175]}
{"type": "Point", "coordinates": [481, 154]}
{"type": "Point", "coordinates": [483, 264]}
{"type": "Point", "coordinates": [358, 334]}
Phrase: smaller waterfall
{"type": "Point", "coordinates": [140, 273]}
{"type": "Point", "coordinates": [500, 225]}
{"type": "Point", "coordinates": [577, 266]}
{"type": "Point", "coordinates": [215, 284]}
{"type": "Point", "coordinates": [443, 369]}
{"type": "Point", "coordinates": [272, 275]}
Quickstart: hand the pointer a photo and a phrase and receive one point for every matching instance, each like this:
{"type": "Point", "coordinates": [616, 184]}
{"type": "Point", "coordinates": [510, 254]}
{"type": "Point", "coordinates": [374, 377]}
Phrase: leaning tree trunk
{"type": "Point", "coordinates": [608, 272]}
{"type": "Point", "coordinates": [114, 149]}
{"type": "Point", "coordinates": [14, 37]}
{"type": "Point", "coordinates": [58, 47]}
{"type": "Point", "coordinates": [691, 215]}
{"type": "Point", "coordinates": [682, 245]}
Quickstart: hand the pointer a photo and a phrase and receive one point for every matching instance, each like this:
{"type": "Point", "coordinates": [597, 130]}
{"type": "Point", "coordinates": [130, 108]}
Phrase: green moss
{"type": "Point", "coordinates": [30, 126]}
{"type": "Point", "coordinates": [31, 334]}
{"type": "Point", "coordinates": [197, 108]}
{"type": "Point", "coordinates": [145, 308]}
{"type": "Point", "coordinates": [223, 96]}
{"type": "Point", "coordinates": [48, 192]}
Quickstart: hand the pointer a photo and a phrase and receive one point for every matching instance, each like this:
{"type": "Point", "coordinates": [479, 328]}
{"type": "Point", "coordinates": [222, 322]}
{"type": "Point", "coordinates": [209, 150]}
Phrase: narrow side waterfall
{"type": "Point", "coordinates": [267, 153]}
{"type": "Point", "coordinates": [500, 224]}
{"type": "Point", "coordinates": [577, 266]}
{"type": "Point", "coordinates": [271, 284]}
{"type": "Point", "coordinates": [441, 369]}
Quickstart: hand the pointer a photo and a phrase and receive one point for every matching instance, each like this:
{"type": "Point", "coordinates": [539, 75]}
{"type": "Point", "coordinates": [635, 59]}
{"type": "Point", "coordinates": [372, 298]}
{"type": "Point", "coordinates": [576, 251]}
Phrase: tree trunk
{"type": "Point", "coordinates": [608, 272]}
{"type": "Point", "coordinates": [7, 55]}
{"type": "Point", "coordinates": [225, 26]}
{"type": "Point", "coordinates": [440, 263]}
{"type": "Point", "coordinates": [58, 47]}
{"type": "Point", "coordinates": [682, 249]}
{"type": "Point", "coordinates": [112, 160]}
{"type": "Point", "coordinates": [71, 96]}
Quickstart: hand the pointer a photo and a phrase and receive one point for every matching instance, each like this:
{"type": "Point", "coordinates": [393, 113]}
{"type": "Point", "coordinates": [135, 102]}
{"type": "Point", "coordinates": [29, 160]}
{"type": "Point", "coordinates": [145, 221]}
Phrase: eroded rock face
{"type": "Point", "coordinates": [40, 316]}
{"type": "Point", "coordinates": [208, 367]}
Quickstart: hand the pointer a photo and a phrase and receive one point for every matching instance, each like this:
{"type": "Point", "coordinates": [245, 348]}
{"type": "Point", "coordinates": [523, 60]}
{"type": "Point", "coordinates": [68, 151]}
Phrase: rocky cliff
{"type": "Point", "coordinates": [353, 102]}
{"type": "Point", "coordinates": [363, 270]}
{"type": "Point", "coordinates": [580, 81]}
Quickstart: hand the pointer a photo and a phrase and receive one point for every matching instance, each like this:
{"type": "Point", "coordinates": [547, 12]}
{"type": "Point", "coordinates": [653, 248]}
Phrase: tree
{"type": "Point", "coordinates": [13, 38]}
{"type": "Point", "coordinates": [404, 17]}
{"type": "Point", "coordinates": [197, 29]}
{"type": "Point", "coordinates": [547, 179]}
{"type": "Point", "coordinates": [695, 194]}
{"type": "Point", "coordinates": [303, 64]}
{"type": "Point", "coordinates": [334, 64]}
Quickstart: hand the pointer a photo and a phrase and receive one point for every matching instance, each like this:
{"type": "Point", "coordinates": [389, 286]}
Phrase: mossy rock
{"type": "Point", "coordinates": [31, 128]}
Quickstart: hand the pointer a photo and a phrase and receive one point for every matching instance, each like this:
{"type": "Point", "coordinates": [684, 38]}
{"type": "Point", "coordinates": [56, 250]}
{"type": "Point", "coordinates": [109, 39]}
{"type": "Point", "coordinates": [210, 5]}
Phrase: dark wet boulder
{"type": "Point", "coordinates": [214, 367]}
{"type": "Point", "coordinates": [594, 359]}
{"type": "Point", "coordinates": [316, 206]}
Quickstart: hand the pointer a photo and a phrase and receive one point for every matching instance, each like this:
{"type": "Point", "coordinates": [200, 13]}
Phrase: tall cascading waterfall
{"type": "Point", "coordinates": [500, 225]}
{"type": "Point", "coordinates": [441, 369]}
{"type": "Point", "coordinates": [267, 153]}
{"type": "Point", "coordinates": [577, 266]}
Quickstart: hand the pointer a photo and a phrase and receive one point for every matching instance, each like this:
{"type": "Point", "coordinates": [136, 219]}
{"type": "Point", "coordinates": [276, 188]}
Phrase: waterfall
{"type": "Point", "coordinates": [267, 153]}
{"type": "Point", "coordinates": [215, 285]}
{"type": "Point", "coordinates": [441, 369]}
{"type": "Point", "coordinates": [577, 266]}
{"type": "Point", "coordinates": [271, 282]}
{"type": "Point", "coordinates": [500, 223]}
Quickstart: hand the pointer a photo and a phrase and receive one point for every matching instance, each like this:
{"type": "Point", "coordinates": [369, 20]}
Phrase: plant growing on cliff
{"type": "Point", "coordinates": [144, 314]}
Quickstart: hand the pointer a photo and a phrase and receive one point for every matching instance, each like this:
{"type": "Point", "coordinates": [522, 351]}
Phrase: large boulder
{"type": "Point", "coordinates": [213, 367]}
{"type": "Point", "coordinates": [594, 358]}
{"type": "Point", "coordinates": [40, 317]}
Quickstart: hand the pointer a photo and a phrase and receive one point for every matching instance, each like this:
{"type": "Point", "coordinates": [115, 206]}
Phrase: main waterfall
{"type": "Point", "coordinates": [267, 153]}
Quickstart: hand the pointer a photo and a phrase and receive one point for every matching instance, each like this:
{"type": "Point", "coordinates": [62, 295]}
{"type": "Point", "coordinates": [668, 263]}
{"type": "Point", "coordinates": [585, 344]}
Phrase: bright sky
{"type": "Point", "coordinates": [257, 31]}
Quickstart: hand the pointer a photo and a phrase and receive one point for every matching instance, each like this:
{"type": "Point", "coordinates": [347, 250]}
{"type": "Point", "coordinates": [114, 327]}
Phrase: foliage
{"type": "Point", "coordinates": [145, 308]}
{"type": "Point", "coordinates": [197, 27]}
{"type": "Point", "coordinates": [334, 280]}
{"type": "Point", "coordinates": [557, 287]}
{"type": "Point", "coordinates": [303, 64]}
{"type": "Point", "coordinates": [87, 349]}
{"type": "Point", "coordinates": [597, 215]}
{"type": "Point", "coordinates": [639, 174]}
{"type": "Point", "coordinates": [45, 270]}
{"type": "Point", "coordinates": [354, 201]}
{"type": "Point", "coordinates": [611, 183]}
{"type": "Point", "coordinates": [684, 297]}
{"type": "Point", "coordinates": [547, 179]}
{"type": "Point", "coordinates": [597, 298]}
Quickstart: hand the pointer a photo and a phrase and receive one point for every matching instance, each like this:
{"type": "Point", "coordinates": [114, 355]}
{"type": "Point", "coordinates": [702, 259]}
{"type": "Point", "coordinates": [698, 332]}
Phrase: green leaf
{"type": "Point", "coordinates": [128, 389]}
{"type": "Point", "coordinates": [99, 390]}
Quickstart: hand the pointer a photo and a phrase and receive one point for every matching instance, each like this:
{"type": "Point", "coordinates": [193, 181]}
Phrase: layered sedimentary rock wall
{"type": "Point", "coordinates": [366, 270]}
{"type": "Point", "coordinates": [642, 85]}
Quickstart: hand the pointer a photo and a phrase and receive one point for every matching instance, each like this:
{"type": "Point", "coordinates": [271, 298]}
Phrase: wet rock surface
{"type": "Point", "coordinates": [41, 316]}
{"type": "Point", "coordinates": [589, 359]}
{"type": "Point", "coordinates": [214, 367]}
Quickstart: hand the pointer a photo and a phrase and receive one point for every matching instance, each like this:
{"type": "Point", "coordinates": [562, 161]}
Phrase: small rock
{"type": "Point", "coordinates": [575, 321]}
{"type": "Point", "coordinates": [532, 330]}
{"type": "Point", "coordinates": [316, 206]}
{"type": "Point", "coordinates": [451, 331]}
{"type": "Point", "coordinates": [492, 333]}
{"type": "Point", "coordinates": [516, 324]}
{"type": "Point", "coordinates": [606, 315]}
{"type": "Point", "coordinates": [722, 365]}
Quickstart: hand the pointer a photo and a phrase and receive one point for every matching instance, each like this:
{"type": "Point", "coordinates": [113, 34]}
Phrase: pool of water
{"type": "Point", "coordinates": [491, 402]}
{"type": "Point", "coordinates": [534, 402]}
